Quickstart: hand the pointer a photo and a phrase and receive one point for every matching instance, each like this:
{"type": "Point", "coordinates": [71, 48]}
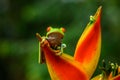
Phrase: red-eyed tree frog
{"type": "Point", "coordinates": [54, 37]}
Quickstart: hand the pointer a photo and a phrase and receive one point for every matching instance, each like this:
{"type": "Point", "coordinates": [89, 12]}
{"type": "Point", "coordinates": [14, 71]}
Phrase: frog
{"type": "Point", "coordinates": [54, 36]}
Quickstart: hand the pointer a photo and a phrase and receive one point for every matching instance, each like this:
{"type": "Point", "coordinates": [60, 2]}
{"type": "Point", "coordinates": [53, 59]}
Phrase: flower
{"type": "Point", "coordinates": [85, 60]}
{"type": "Point", "coordinates": [109, 72]}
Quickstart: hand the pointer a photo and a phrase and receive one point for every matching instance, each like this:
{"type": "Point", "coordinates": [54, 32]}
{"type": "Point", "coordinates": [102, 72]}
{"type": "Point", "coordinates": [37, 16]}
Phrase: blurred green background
{"type": "Point", "coordinates": [21, 19]}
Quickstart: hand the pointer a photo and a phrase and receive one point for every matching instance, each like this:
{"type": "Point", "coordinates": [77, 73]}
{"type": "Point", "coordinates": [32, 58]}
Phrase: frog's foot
{"type": "Point", "coordinates": [59, 53]}
{"type": "Point", "coordinates": [44, 41]}
{"type": "Point", "coordinates": [61, 49]}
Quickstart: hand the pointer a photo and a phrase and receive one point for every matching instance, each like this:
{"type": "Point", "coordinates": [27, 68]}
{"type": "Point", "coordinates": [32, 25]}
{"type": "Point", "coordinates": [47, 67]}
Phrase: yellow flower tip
{"type": "Point", "coordinates": [98, 13]}
{"type": "Point", "coordinates": [98, 77]}
{"type": "Point", "coordinates": [96, 16]}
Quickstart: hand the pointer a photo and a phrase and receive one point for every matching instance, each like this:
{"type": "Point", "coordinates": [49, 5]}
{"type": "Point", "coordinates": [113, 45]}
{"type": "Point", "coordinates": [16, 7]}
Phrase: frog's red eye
{"type": "Point", "coordinates": [48, 29]}
{"type": "Point", "coordinates": [63, 29]}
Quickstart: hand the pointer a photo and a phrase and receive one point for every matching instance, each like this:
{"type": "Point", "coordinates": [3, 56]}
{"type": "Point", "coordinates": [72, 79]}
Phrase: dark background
{"type": "Point", "coordinates": [21, 19]}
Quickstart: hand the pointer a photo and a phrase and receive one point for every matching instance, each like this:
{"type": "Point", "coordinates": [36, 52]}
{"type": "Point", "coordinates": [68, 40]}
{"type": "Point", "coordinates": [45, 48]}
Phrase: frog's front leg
{"type": "Point", "coordinates": [61, 49]}
{"type": "Point", "coordinates": [44, 41]}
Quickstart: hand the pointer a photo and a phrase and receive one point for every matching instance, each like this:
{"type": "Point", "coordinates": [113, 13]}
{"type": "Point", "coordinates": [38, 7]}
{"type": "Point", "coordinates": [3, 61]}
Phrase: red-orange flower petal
{"type": "Point", "coordinates": [88, 48]}
{"type": "Point", "coordinates": [63, 67]}
{"type": "Point", "coordinates": [116, 77]}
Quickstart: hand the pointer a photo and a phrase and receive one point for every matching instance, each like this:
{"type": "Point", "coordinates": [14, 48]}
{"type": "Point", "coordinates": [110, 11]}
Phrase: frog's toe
{"type": "Point", "coordinates": [59, 53]}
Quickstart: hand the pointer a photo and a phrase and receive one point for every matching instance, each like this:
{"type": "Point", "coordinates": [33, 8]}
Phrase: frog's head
{"type": "Point", "coordinates": [55, 36]}
{"type": "Point", "coordinates": [51, 30]}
